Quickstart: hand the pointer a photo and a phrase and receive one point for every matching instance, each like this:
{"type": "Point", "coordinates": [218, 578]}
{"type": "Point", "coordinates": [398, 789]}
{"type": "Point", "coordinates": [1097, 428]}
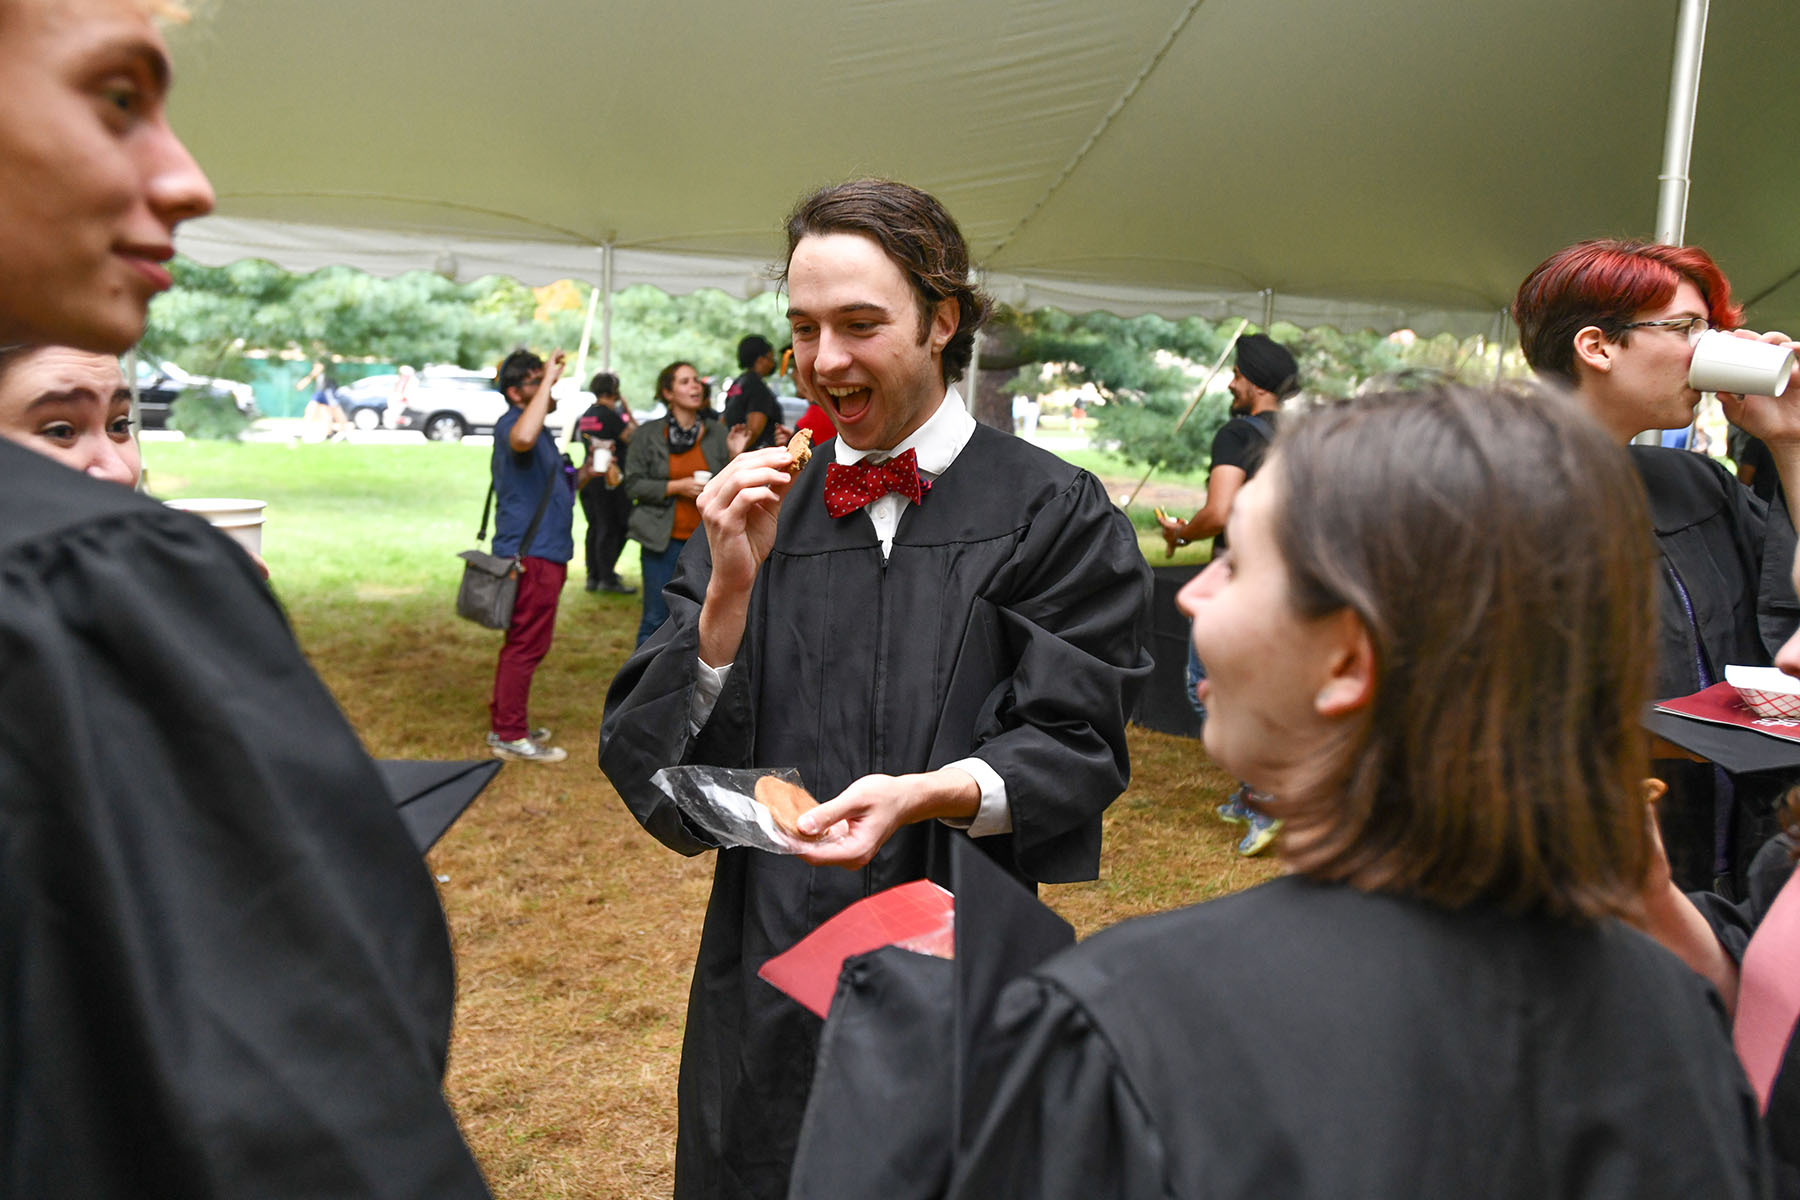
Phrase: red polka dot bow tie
{"type": "Point", "coordinates": [849, 487]}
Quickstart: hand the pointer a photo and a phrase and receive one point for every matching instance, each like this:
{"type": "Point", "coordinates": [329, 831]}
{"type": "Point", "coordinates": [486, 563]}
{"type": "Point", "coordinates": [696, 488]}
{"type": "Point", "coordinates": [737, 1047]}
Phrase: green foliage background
{"type": "Point", "coordinates": [1148, 369]}
{"type": "Point", "coordinates": [216, 317]}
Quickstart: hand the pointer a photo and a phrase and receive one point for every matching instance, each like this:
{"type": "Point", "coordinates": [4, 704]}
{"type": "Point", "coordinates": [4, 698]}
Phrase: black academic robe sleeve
{"type": "Point", "coordinates": [223, 969]}
{"type": "Point", "coordinates": [1065, 1123]}
{"type": "Point", "coordinates": [1075, 637]}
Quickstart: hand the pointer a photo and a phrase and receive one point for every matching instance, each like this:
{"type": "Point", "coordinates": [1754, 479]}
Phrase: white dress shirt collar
{"type": "Point", "coordinates": [937, 442]}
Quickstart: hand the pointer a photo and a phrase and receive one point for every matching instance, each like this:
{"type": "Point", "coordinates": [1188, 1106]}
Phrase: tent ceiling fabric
{"type": "Point", "coordinates": [1381, 166]}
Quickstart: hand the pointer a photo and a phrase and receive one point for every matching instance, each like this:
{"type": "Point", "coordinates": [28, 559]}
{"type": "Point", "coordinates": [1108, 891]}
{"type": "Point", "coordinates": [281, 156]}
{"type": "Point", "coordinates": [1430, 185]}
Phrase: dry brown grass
{"type": "Point", "coordinates": [575, 931]}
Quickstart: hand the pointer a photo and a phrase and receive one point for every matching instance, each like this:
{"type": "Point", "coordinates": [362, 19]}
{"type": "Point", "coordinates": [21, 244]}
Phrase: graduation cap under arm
{"type": "Point", "coordinates": [903, 1075]}
{"type": "Point", "coordinates": [430, 795]}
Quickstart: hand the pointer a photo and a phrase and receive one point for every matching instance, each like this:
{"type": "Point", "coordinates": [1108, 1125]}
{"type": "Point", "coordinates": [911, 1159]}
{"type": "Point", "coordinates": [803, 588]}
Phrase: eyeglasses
{"type": "Point", "coordinates": [1692, 326]}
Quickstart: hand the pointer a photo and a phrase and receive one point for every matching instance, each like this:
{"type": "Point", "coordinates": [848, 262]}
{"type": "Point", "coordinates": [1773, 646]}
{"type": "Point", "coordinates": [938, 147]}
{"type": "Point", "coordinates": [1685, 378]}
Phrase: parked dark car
{"type": "Point", "coordinates": [365, 402]}
{"type": "Point", "coordinates": [160, 385]}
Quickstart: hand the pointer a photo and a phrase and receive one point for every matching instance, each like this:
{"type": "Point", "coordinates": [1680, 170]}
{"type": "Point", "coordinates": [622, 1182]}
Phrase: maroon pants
{"type": "Point", "coordinates": [527, 641]}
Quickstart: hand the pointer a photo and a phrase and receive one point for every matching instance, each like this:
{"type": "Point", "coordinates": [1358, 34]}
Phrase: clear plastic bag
{"type": "Point", "coordinates": [721, 801]}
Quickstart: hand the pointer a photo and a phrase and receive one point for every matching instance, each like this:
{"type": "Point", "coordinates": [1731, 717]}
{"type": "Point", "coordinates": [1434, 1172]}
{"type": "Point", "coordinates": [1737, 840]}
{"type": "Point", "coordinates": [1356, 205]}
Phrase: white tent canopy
{"type": "Point", "coordinates": [1400, 165]}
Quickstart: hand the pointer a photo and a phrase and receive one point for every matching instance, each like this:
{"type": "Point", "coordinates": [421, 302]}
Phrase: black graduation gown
{"type": "Point", "coordinates": [1303, 1039]}
{"type": "Point", "coordinates": [1009, 620]}
{"type": "Point", "coordinates": [223, 968]}
{"type": "Point", "coordinates": [1732, 554]}
{"type": "Point", "coordinates": [1733, 924]}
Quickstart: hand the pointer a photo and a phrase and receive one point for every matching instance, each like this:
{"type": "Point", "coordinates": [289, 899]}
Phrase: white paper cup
{"type": "Point", "coordinates": [601, 459]}
{"type": "Point", "coordinates": [240, 520]}
{"type": "Point", "coordinates": [1723, 363]}
{"type": "Point", "coordinates": [703, 476]}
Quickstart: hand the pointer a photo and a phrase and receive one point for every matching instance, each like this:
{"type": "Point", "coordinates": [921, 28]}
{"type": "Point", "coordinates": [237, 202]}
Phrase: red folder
{"type": "Point", "coordinates": [917, 916]}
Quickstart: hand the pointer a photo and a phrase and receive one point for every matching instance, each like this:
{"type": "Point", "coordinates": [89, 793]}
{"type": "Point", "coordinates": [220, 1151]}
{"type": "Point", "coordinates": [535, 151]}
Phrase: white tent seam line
{"type": "Point", "coordinates": [1112, 114]}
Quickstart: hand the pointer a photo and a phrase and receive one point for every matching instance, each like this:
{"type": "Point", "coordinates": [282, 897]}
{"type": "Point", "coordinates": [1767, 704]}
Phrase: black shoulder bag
{"type": "Point", "coordinates": [490, 582]}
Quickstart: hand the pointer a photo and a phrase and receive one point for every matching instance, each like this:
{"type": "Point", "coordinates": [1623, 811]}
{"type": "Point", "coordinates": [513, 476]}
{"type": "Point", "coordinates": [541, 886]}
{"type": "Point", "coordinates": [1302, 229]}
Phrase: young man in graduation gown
{"type": "Point", "coordinates": [223, 969]}
{"type": "Point", "coordinates": [942, 628]}
{"type": "Point", "coordinates": [1617, 322]}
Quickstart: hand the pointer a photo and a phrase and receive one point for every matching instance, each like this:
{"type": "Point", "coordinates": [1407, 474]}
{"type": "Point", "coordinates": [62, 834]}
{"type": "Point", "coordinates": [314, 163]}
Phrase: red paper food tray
{"type": "Point", "coordinates": [918, 916]}
{"type": "Point", "coordinates": [1721, 705]}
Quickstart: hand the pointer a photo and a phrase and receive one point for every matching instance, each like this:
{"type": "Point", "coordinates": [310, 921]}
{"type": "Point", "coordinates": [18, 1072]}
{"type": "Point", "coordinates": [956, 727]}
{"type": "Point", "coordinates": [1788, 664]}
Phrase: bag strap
{"type": "Point", "coordinates": [481, 533]}
{"type": "Point", "coordinates": [536, 517]}
{"type": "Point", "coordinates": [1261, 424]}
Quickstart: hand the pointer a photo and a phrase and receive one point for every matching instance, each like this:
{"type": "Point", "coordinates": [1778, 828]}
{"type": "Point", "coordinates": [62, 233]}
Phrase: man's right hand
{"type": "Point", "coordinates": [1171, 532]}
{"type": "Point", "coordinates": [739, 508]}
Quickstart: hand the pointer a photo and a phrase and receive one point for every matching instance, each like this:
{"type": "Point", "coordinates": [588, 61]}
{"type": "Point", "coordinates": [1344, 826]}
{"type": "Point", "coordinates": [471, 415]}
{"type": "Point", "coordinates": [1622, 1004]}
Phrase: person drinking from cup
{"type": "Point", "coordinates": [1619, 322]}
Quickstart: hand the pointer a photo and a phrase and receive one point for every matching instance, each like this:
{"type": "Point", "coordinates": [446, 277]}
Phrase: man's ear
{"type": "Point", "coordinates": [944, 316]}
{"type": "Point", "coordinates": [1350, 679]}
{"type": "Point", "coordinates": [1594, 350]}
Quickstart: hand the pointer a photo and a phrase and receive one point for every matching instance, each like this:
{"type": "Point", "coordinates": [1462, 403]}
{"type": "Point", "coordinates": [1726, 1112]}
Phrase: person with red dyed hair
{"type": "Point", "coordinates": [1617, 321]}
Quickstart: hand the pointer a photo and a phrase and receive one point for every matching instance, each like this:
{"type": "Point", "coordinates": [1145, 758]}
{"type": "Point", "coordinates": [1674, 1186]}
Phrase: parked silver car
{"type": "Point", "coordinates": [447, 404]}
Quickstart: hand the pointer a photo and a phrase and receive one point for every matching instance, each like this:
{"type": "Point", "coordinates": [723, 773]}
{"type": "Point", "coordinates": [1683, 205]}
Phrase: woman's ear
{"type": "Point", "coordinates": [1350, 682]}
{"type": "Point", "coordinates": [1594, 350]}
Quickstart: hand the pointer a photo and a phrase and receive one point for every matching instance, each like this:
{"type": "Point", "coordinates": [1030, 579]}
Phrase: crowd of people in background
{"type": "Point", "coordinates": [1433, 620]}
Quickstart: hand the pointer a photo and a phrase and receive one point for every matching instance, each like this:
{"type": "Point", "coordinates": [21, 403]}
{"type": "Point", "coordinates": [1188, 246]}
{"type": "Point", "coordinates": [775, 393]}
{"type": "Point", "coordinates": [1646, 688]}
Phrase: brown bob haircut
{"type": "Point", "coordinates": [1496, 546]}
{"type": "Point", "coordinates": [919, 236]}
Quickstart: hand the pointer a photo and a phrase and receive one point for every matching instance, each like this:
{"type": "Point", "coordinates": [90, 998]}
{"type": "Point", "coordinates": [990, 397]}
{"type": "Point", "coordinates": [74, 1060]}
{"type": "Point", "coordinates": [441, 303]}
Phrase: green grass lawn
{"type": "Point", "coordinates": [369, 533]}
{"type": "Point", "coordinates": [369, 530]}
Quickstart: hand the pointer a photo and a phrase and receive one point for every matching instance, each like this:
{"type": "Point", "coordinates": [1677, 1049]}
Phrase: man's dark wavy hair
{"type": "Point", "coordinates": [515, 370]}
{"type": "Point", "coordinates": [919, 236]}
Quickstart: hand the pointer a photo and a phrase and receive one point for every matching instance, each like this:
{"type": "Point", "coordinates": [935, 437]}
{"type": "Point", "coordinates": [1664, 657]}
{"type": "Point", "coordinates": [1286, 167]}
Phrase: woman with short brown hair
{"type": "Point", "coordinates": [1430, 639]}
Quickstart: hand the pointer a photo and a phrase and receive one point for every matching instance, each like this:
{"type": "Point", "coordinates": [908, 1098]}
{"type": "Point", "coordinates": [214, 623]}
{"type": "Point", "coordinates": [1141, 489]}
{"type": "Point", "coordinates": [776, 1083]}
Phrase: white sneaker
{"type": "Point", "coordinates": [526, 750]}
{"type": "Point", "coordinates": [540, 735]}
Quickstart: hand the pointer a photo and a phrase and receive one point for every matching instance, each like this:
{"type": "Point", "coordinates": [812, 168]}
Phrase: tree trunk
{"type": "Point", "coordinates": [993, 404]}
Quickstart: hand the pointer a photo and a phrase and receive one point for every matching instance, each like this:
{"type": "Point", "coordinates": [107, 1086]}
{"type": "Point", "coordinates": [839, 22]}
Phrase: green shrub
{"type": "Point", "coordinates": [207, 415]}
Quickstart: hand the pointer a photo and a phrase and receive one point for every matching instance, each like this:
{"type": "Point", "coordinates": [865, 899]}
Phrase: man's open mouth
{"type": "Point", "coordinates": [849, 403]}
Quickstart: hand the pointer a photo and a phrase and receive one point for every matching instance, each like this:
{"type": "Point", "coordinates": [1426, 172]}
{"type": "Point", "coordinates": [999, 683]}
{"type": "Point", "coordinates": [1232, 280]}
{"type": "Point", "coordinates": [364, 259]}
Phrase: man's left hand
{"type": "Point", "coordinates": [857, 823]}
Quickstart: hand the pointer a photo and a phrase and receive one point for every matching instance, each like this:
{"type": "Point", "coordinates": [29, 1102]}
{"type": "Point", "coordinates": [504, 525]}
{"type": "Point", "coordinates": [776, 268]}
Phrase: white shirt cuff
{"type": "Point", "coordinates": [995, 815]}
{"type": "Point", "coordinates": [708, 683]}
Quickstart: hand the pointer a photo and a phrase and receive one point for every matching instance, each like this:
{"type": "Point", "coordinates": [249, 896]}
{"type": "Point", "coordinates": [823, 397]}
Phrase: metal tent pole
{"type": "Point", "coordinates": [1678, 135]}
{"type": "Point", "coordinates": [606, 303]}
{"type": "Point", "coordinates": [587, 337]}
{"type": "Point", "coordinates": [1678, 143]}
{"type": "Point", "coordinates": [974, 375]}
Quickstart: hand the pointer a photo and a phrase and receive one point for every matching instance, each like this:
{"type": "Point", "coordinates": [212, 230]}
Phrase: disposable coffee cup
{"type": "Point", "coordinates": [240, 520]}
{"type": "Point", "coordinates": [1723, 363]}
{"type": "Point", "coordinates": [703, 476]}
{"type": "Point", "coordinates": [602, 459]}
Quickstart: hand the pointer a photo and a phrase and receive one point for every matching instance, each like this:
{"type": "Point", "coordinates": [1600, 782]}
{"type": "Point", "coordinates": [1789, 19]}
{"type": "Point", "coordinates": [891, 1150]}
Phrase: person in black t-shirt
{"type": "Point", "coordinates": [604, 431]}
{"type": "Point", "coordinates": [1266, 374]}
{"type": "Point", "coordinates": [749, 402]}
